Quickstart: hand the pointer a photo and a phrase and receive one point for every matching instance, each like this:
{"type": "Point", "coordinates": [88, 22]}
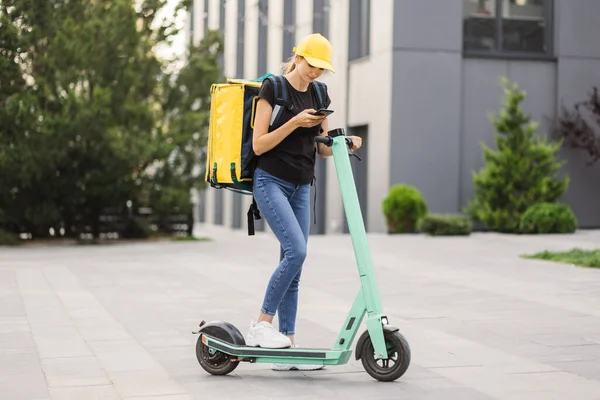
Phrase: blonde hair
{"type": "Point", "coordinates": [289, 65]}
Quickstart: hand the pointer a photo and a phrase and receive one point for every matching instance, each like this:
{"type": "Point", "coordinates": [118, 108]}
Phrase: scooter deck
{"type": "Point", "coordinates": [297, 355]}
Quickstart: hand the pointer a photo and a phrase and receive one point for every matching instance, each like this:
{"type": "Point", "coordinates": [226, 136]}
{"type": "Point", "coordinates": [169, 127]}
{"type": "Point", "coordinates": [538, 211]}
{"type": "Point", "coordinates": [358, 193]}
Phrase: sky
{"type": "Point", "coordinates": [178, 46]}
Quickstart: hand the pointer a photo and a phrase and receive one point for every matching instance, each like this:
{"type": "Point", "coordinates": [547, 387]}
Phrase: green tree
{"type": "Point", "coordinates": [521, 172]}
{"type": "Point", "coordinates": [91, 117]}
{"type": "Point", "coordinates": [186, 110]}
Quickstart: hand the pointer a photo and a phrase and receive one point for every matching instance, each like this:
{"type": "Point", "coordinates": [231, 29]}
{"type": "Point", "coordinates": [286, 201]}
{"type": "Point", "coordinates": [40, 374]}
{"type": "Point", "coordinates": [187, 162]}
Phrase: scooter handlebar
{"type": "Point", "coordinates": [328, 140]}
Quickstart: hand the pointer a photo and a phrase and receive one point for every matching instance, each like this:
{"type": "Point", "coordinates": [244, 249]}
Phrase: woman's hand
{"type": "Point", "coordinates": [356, 142]}
{"type": "Point", "coordinates": [307, 120]}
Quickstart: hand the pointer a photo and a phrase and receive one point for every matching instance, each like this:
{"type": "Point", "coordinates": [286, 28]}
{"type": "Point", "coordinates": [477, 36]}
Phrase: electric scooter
{"type": "Point", "coordinates": [384, 352]}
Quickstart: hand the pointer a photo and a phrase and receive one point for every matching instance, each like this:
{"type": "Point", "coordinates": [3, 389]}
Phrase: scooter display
{"type": "Point", "coordinates": [384, 352]}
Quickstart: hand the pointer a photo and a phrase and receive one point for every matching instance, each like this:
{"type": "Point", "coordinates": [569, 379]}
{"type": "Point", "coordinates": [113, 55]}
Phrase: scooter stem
{"type": "Point", "coordinates": [356, 225]}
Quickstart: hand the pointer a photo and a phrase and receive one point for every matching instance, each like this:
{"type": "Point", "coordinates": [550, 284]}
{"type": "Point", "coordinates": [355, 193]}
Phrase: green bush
{"type": "Point", "coordinates": [9, 238]}
{"type": "Point", "coordinates": [521, 172]}
{"type": "Point", "coordinates": [548, 218]}
{"type": "Point", "coordinates": [445, 225]}
{"type": "Point", "coordinates": [136, 228]}
{"type": "Point", "coordinates": [403, 208]}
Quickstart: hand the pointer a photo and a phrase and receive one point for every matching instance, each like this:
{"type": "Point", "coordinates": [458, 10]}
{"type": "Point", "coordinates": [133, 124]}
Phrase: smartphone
{"type": "Point", "coordinates": [323, 111]}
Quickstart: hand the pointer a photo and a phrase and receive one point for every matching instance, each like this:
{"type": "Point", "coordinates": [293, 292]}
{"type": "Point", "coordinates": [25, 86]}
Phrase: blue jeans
{"type": "Point", "coordinates": [286, 208]}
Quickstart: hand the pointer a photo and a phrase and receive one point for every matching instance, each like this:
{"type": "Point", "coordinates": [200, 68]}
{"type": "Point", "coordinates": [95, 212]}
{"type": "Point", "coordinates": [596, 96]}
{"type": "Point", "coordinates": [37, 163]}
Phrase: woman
{"type": "Point", "coordinates": [282, 185]}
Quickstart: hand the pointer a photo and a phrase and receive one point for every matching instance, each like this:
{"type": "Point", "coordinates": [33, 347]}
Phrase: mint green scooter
{"type": "Point", "coordinates": [383, 351]}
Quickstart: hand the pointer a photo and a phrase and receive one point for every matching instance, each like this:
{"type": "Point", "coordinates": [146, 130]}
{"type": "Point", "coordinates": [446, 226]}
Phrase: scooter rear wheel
{"type": "Point", "coordinates": [392, 368]}
{"type": "Point", "coordinates": [213, 361]}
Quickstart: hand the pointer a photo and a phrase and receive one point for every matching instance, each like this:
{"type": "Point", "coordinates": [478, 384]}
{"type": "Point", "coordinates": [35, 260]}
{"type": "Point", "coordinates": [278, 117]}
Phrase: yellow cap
{"type": "Point", "coordinates": [316, 49]}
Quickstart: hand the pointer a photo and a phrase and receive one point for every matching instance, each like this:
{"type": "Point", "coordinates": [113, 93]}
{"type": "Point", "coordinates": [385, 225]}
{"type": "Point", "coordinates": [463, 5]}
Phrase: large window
{"type": "Point", "coordinates": [289, 28]}
{"type": "Point", "coordinates": [263, 32]}
{"type": "Point", "coordinates": [321, 17]}
{"type": "Point", "coordinates": [359, 29]}
{"type": "Point", "coordinates": [507, 27]}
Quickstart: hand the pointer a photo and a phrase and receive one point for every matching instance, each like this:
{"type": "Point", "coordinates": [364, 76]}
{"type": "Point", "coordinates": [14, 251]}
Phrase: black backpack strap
{"type": "Point", "coordinates": [321, 91]}
{"type": "Point", "coordinates": [313, 183]}
{"type": "Point", "coordinates": [280, 95]}
{"type": "Point", "coordinates": [253, 213]}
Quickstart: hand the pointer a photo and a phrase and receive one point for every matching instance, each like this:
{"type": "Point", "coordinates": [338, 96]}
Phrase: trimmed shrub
{"type": "Point", "coordinates": [445, 225]}
{"type": "Point", "coordinates": [403, 208]}
{"type": "Point", "coordinates": [522, 171]}
{"type": "Point", "coordinates": [9, 238]}
{"type": "Point", "coordinates": [548, 218]}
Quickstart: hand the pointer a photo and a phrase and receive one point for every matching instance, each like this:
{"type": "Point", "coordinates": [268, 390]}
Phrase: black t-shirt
{"type": "Point", "coordinates": [293, 159]}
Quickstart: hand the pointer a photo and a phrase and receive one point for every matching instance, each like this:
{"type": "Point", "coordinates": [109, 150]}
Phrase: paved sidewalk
{"type": "Point", "coordinates": [114, 322]}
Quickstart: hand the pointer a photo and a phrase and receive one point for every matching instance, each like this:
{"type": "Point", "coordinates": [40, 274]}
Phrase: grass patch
{"type": "Point", "coordinates": [189, 239]}
{"type": "Point", "coordinates": [579, 257]}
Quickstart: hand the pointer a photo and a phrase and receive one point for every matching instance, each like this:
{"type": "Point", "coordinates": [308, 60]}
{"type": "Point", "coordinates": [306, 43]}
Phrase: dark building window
{"type": "Point", "coordinates": [289, 28]}
{"type": "Point", "coordinates": [359, 34]}
{"type": "Point", "coordinates": [205, 16]}
{"type": "Point", "coordinates": [321, 17]}
{"type": "Point", "coordinates": [241, 26]}
{"type": "Point", "coordinates": [507, 27]}
{"type": "Point", "coordinates": [222, 31]}
{"type": "Point", "coordinates": [263, 31]}
{"type": "Point", "coordinates": [192, 19]}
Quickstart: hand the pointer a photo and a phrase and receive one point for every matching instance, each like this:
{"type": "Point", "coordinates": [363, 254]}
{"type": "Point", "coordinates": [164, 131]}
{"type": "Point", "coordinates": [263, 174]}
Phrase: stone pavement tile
{"type": "Point", "coordinates": [560, 339]}
{"type": "Point", "coordinates": [166, 397]}
{"type": "Point", "coordinates": [593, 337]}
{"type": "Point", "coordinates": [145, 383]}
{"type": "Point", "coordinates": [60, 342]}
{"type": "Point", "coordinates": [41, 304]}
{"type": "Point", "coordinates": [14, 324]}
{"type": "Point", "coordinates": [101, 328]}
{"type": "Point", "coordinates": [89, 312]}
{"type": "Point", "coordinates": [74, 371]}
{"type": "Point", "coordinates": [99, 392]}
{"type": "Point", "coordinates": [180, 362]}
{"type": "Point", "coordinates": [589, 369]}
{"type": "Point", "coordinates": [355, 385]}
{"type": "Point", "coordinates": [231, 386]}
{"type": "Point", "coordinates": [24, 386]}
{"type": "Point", "coordinates": [123, 356]}
{"type": "Point", "coordinates": [16, 340]}
{"type": "Point", "coordinates": [508, 385]}
{"type": "Point", "coordinates": [18, 361]}
{"type": "Point", "coordinates": [165, 338]}
{"type": "Point", "coordinates": [568, 353]}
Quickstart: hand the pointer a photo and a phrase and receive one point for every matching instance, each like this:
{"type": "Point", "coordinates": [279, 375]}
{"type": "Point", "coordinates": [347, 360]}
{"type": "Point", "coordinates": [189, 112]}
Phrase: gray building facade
{"type": "Point", "coordinates": [445, 83]}
{"type": "Point", "coordinates": [417, 80]}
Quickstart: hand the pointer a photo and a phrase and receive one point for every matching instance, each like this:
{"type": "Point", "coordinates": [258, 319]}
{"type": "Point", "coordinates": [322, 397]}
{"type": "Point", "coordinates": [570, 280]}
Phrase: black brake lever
{"type": "Point", "coordinates": [349, 143]}
{"type": "Point", "coordinates": [352, 154]}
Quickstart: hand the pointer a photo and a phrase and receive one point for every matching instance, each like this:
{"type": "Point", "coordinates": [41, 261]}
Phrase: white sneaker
{"type": "Point", "coordinates": [297, 367]}
{"type": "Point", "coordinates": [263, 334]}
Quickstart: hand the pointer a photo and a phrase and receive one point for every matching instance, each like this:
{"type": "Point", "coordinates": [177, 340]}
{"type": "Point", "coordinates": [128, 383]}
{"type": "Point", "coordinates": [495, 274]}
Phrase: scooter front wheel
{"type": "Point", "coordinates": [392, 368]}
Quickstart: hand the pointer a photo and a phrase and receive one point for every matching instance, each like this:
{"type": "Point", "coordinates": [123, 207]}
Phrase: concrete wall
{"type": "Point", "coordinates": [440, 119]}
{"type": "Point", "coordinates": [578, 69]}
{"type": "Point", "coordinates": [426, 106]}
{"type": "Point", "coordinates": [370, 103]}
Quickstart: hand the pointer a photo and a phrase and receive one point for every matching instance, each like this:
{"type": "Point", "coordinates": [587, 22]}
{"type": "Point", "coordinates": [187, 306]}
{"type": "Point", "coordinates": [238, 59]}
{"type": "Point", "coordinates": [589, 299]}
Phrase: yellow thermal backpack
{"type": "Point", "coordinates": [230, 160]}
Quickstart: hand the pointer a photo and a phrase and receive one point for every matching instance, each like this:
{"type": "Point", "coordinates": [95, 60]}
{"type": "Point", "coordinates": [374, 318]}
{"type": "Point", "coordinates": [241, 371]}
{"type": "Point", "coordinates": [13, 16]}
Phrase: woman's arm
{"type": "Point", "coordinates": [263, 140]}
{"type": "Point", "coordinates": [324, 150]}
